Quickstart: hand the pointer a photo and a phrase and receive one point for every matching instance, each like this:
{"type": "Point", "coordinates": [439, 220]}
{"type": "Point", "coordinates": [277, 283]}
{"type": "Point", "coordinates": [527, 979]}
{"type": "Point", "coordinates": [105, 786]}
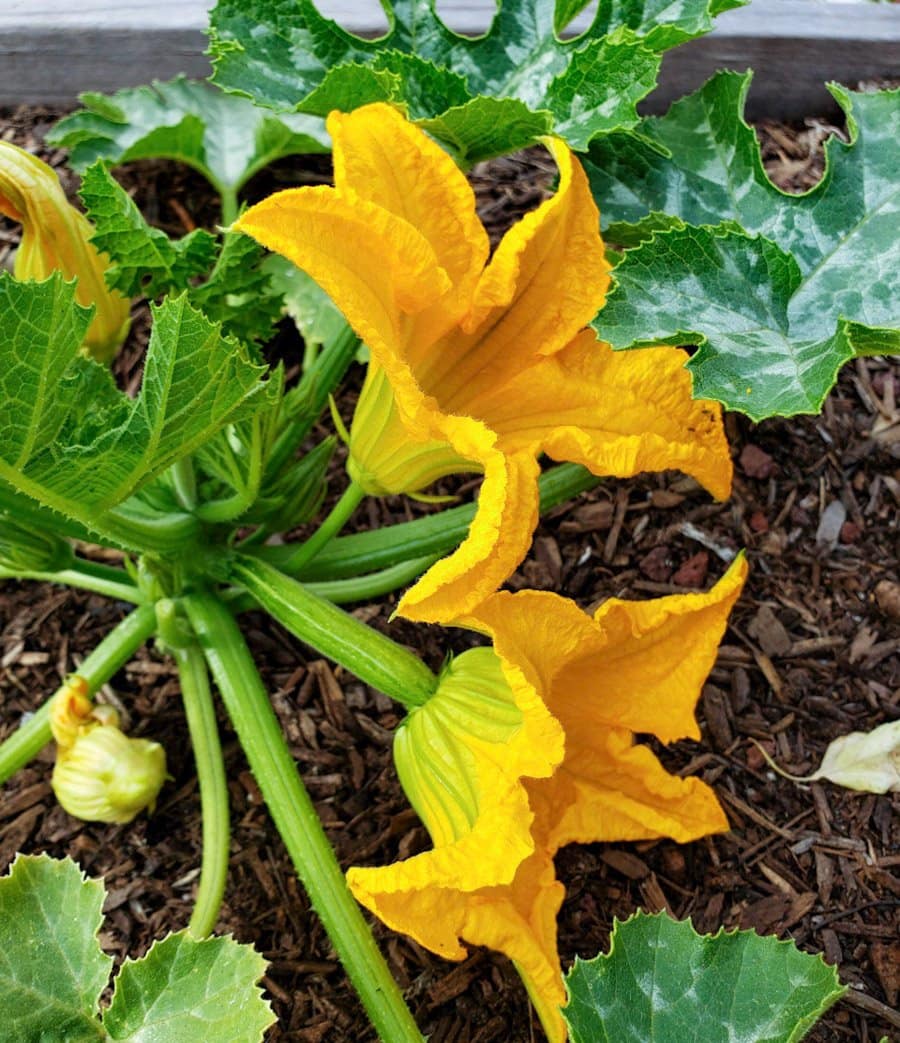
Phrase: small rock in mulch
{"type": "Point", "coordinates": [830, 524]}
{"type": "Point", "coordinates": [770, 632]}
{"type": "Point", "coordinates": [759, 522]}
{"type": "Point", "coordinates": [693, 572]}
{"type": "Point", "coordinates": [657, 565]}
{"type": "Point", "coordinates": [756, 462]}
{"type": "Point", "coordinates": [887, 597]}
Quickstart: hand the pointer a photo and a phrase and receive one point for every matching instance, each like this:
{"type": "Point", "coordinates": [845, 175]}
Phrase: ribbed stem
{"type": "Point", "coordinates": [204, 732]}
{"type": "Point", "coordinates": [345, 591]}
{"type": "Point", "coordinates": [86, 575]}
{"type": "Point", "coordinates": [110, 655]}
{"type": "Point", "coordinates": [295, 817]}
{"type": "Point", "coordinates": [374, 658]}
{"type": "Point", "coordinates": [436, 534]}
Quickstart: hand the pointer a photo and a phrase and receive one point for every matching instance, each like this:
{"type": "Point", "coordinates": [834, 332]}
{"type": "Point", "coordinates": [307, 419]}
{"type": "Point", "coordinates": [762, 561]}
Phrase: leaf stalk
{"type": "Point", "coordinates": [295, 816]}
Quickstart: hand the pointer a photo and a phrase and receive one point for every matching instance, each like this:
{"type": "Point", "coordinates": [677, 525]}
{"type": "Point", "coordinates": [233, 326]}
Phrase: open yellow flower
{"type": "Point", "coordinates": [55, 237]}
{"type": "Point", "coordinates": [479, 363]}
{"type": "Point", "coordinates": [634, 667]}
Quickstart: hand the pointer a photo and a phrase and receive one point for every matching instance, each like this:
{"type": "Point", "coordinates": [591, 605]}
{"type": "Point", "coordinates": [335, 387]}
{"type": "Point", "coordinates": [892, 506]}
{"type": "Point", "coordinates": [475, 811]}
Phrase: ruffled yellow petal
{"type": "Point", "coordinates": [637, 665]}
{"type": "Point", "coordinates": [498, 539]}
{"type": "Point", "coordinates": [520, 921]}
{"type": "Point", "coordinates": [634, 667]}
{"type": "Point", "coordinates": [616, 412]}
{"type": "Point", "coordinates": [658, 655]}
{"type": "Point", "coordinates": [380, 157]}
{"type": "Point", "coordinates": [375, 267]}
{"type": "Point", "coordinates": [546, 280]}
{"type": "Point", "coordinates": [462, 757]}
{"type": "Point", "coordinates": [610, 789]}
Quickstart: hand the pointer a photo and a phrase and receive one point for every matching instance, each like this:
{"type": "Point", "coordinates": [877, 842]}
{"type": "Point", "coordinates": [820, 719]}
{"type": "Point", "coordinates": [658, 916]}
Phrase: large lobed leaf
{"type": "Point", "coordinates": [186, 990]}
{"type": "Point", "coordinates": [285, 54]}
{"type": "Point", "coordinates": [239, 293]}
{"type": "Point", "coordinates": [69, 438]}
{"type": "Point", "coordinates": [661, 982]}
{"type": "Point", "coordinates": [227, 139]}
{"type": "Point", "coordinates": [53, 971]}
{"type": "Point", "coordinates": [776, 311]}
{"type": "Point", "coordinates": [145, 261]}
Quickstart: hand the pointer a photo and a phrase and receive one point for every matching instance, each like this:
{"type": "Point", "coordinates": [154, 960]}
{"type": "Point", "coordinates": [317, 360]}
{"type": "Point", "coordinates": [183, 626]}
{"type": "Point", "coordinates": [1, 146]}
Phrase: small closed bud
{"type": "Point", "coordinates": [107, 777]}
{"type": "Point", "coordinates": [56, 237]}
{"type": "Point", "coordinates": [71, 711]}
{"type": "Point", "coordinates": [27, 549]}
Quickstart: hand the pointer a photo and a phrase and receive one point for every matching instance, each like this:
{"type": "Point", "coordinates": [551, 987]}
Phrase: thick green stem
{"type": "Point", "coordinates": [296, 819]}
{"type": "Point", "coordinates": [148, 532]}
{"type": "Point", "coordinates": [201, 721]}
{"type": "Point", "coordinates": [230, 206]}
{"type": "Point", "coordinates": [86, 575]}
{"type": "Point", "coordinates": [345, 591]}
{"type": "Point", "coordinates": [28, 512]}
{"type": "Point", "coordinates": [110, 655]}
{"type": "Point", "coordinates": [336, 520]}
{"type": "Point", "coordinates": [374, 584]}
{"type": "Point", "coordinates": [120, 526]}
{"type": "Point", "coordinates": [435, 534]}
{"type": "Point", "coordinates": [185, 483]}
{"type": "Point", "coordinates": [374, 658]}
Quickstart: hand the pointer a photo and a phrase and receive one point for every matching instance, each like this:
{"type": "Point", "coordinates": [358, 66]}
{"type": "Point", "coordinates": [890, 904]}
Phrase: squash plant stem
{"type": "Point", "coordinates": [295, 816]}
{"type": "Point", "coordinates": [337, 518]}
{"type": "Point", "coordinates": [201, 721]}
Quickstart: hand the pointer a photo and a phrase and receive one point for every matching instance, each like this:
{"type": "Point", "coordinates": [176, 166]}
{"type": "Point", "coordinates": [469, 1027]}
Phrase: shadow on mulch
{"type": "Point", "coordinates": [811, 653]}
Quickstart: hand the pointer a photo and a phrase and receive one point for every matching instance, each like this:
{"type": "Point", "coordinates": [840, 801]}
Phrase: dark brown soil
{"type": "Point", "coordinates": [811, 654]}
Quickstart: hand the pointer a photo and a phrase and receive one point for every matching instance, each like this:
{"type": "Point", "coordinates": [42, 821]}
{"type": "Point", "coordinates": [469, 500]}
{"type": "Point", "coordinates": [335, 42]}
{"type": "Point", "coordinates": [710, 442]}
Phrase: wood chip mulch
{"type": "Point", "coordinates": [811, 654]}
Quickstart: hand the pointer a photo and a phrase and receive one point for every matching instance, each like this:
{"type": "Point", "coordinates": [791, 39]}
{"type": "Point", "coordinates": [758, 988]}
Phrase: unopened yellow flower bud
{"type": "Point", "coordinates": [71, 710]}
{"type": "Point", "coordinates": [384, 458]}
{"type": "Point", "coordinates": [107, 777]}
{"type": "Point", "coordinates": [55, 237]}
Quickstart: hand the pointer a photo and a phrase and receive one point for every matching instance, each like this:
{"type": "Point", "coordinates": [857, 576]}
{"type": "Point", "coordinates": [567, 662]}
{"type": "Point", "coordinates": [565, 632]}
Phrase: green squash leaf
{"type": "Point", "coordinates": [602, 87]}
{"type": "Point", "coordinates": [827, 276]}
{"type": "Point", "coordinates": [239, 293]}
{"type": "Point", "coordinates": [186, 990]}
{"type": "Point", "coordinates": [69, 439]}
{"type": "Point", "coordinates": [288, 56]}
{"type": "Point", "coordinates": [227, 139]}
{"type": "Point", "coordinates": [663, 983]}
{"type": "Point", "coordinates": [486, 127]}
{"type": "Point", "coordinates": [663, 23]}
{"type": "Point", "coordinates": [146, 262]}
{"type": "Point", "coordinates": [52, 970]}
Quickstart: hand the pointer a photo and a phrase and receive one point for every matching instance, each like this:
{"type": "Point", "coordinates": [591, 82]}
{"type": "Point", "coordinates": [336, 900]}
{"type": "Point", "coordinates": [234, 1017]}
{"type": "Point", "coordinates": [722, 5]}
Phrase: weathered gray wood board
{"type": "Point", "coordinates": [50, 50]}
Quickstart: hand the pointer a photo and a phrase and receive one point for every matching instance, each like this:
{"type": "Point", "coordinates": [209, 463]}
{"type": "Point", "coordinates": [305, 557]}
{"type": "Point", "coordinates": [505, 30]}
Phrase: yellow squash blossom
{"type": "Point", "coordinates": [479, 363]}
{"type": "Point", "coordinates": [634, 667]}
{"type": "Point", "coordinates": [55, 237]}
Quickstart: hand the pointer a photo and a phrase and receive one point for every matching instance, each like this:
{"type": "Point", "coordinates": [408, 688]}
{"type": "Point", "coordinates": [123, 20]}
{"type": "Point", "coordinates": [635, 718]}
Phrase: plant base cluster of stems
{"type": "Point", "coordinates": [198, 626]}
